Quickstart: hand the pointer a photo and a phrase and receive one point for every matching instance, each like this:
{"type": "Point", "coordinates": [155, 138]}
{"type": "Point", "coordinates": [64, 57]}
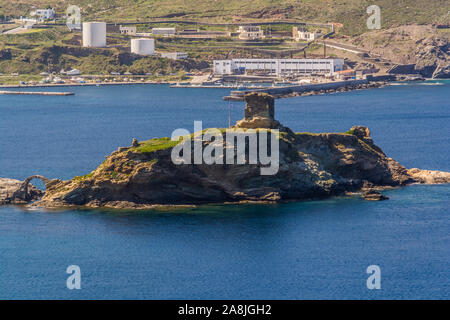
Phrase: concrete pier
{"type": "Point", "coordinates": [37, 93]}
{"type": "Point", "coordinates": [280, 91]}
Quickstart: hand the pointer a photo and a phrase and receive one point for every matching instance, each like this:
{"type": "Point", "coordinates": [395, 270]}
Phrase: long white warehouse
{"type": "Point", "coordinates": [94, 34]}
{"type": "Point", "coordinates": [278, 66]}
{"type": "Point", "coordinates": [143, 46]}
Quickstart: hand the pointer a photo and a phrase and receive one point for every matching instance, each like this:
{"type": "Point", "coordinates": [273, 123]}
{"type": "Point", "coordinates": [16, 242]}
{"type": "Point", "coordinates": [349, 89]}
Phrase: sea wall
{"type": "Point", "coordinates": [383, 77]}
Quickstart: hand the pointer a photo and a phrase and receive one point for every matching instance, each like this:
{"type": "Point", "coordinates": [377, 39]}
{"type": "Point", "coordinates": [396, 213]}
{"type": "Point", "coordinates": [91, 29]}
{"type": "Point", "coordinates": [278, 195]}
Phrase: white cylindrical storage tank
{"type": "Point", "coordinates": [94, 34]}
{"type": "Point", "coordinates": [143, 46]}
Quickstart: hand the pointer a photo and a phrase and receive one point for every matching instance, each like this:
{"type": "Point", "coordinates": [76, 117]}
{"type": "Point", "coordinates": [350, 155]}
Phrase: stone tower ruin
{"type": "Point", "coordinates": [259, 112]}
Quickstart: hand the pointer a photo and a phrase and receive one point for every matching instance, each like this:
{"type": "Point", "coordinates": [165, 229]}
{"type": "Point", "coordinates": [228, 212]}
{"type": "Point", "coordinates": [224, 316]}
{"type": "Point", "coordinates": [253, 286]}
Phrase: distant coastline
{"type": "Point", "coordinates": [55, 85]}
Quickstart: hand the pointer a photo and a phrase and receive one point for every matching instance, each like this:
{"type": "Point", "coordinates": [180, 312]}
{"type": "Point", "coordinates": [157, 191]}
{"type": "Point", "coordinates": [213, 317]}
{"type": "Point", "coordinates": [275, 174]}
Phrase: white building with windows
{"type": "Point", "coordinates": [250, 32]}
{"type": "Point", "coordinates": [278, 66]}
{"type": "Point", "coordinates": [129, 31]}
{"type": "Point", "coordinates": [303, 34]}
{"type": "Point", "coordinates": [44, 14]}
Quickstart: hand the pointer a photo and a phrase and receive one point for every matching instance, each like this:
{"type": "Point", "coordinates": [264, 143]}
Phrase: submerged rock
{"type": "Point", "coordinates": [373, 195]}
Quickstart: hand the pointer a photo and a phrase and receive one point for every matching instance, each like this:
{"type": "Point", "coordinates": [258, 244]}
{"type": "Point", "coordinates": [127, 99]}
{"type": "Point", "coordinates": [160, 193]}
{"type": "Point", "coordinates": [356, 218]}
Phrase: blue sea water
{"type": "Point", "coordinates": [301, 250]}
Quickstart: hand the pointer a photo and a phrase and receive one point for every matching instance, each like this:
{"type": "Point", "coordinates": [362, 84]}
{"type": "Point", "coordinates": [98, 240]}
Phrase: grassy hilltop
{"type": "Point", "coordinates": [56, 48]}
{"type": "Point", "coordinates": [351, 13]}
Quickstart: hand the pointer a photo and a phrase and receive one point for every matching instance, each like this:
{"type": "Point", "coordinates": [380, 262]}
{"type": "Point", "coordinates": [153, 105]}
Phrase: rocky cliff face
{"type": "Point", "coordinates": [310, 166]}
{"type": "Point", "coordinates": [422, 45]}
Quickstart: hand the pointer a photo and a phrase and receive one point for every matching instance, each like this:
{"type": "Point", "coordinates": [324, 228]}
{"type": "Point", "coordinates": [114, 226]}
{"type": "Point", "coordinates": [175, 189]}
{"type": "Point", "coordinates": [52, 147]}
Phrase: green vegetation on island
{"type": "Point", "coordinates": [155, 144]}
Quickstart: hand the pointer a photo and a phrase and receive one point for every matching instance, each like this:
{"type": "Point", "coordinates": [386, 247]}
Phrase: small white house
{"type": "Point", "coordinates": [302, 34]}
{"type": "Point", "coordinates": [44, 14]}
{"type": "Point", "coordinates": [250, 32]}
{"type": "Point", "coordinates": [130, 31]}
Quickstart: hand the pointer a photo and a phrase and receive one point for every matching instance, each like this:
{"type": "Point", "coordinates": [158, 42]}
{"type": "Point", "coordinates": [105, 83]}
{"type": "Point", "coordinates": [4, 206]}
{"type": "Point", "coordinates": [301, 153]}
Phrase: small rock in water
{"type": "Point", "coordinates": [372, 195]}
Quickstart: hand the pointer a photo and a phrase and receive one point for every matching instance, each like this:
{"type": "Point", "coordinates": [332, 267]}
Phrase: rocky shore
{"type": "Point", "coordinates": [309, 166]}
{"type": "Point", "coordinates": [423, 47]}
{"type": "Point", "coordinates": [10, 189]}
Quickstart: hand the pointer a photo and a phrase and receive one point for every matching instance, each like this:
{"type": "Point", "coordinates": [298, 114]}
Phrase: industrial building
{"type": "Point", "coordinates": [278, 66]}
{"type": "Point", "coordinates": [143, 46]}
{"type": "Point", "coordinates": [164, 31]}
{"type": "Point", "coordinates": [94, 34]}
{"type": "Point", "coordinates": [250, 32]}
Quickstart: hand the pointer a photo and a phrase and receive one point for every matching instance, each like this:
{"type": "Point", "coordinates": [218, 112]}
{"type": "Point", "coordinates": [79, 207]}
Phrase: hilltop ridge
{"type": "Point", "coordinates": [350, 13]}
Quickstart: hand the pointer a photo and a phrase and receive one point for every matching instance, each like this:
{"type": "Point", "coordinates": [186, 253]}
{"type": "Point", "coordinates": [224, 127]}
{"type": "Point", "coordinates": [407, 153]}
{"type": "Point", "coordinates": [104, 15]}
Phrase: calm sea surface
{"type": "Point", "coordinates": [304, 250]}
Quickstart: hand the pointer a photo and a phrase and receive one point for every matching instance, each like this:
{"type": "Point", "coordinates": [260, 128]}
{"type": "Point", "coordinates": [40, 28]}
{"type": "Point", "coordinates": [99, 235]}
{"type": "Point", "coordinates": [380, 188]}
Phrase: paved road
{"type": "Point", "coordinates": [19, 29]}
{"type": "Point", "coordinates": [345, 47]}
